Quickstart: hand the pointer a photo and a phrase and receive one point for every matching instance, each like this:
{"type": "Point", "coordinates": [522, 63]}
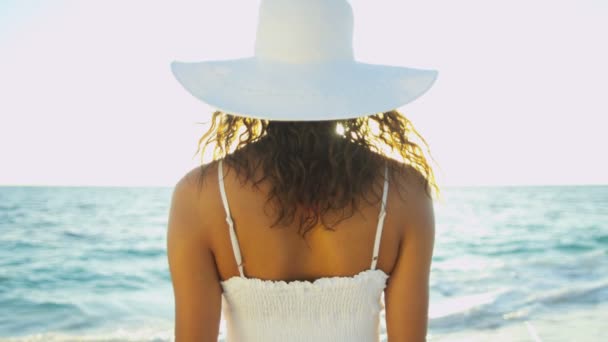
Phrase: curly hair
{"type": "Point", "coordinates": [318, 165]}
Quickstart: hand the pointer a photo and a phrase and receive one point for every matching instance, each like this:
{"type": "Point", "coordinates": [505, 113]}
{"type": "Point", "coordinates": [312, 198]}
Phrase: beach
{"type": "Point", "coordinates": [527, 263]}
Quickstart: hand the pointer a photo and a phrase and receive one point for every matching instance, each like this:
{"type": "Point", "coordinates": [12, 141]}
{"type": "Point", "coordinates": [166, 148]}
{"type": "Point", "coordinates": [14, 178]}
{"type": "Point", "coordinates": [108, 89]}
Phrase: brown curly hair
{"type": "Point", "coordinates": [318, 165]}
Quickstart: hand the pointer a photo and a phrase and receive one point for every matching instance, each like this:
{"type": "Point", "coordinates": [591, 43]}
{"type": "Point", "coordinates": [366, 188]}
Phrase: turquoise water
{"type": "Point", "coordinates": [89, 263]}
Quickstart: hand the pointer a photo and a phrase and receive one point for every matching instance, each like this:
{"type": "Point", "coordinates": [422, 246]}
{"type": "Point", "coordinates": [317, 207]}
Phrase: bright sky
{"type": "Point", "coordinates": [87, 96]}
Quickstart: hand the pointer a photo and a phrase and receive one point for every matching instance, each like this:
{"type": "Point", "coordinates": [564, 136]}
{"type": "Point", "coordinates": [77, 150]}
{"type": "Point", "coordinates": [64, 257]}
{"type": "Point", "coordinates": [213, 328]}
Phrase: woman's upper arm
{"type": "Point", "coordinates": [407, 292]}
{"type": "Point", "coordinates": [194, 276]}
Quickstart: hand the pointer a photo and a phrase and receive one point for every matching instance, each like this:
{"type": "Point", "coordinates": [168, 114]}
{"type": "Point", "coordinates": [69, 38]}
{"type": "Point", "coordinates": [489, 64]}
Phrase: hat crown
{"type": "Point", "coordinates": [305, 31]}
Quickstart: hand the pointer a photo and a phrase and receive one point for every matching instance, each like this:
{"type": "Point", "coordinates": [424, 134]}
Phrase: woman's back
{"type": "Point", "coordinates": [279, 253]}
{"type": "Point", "coordinates": [332, 307]}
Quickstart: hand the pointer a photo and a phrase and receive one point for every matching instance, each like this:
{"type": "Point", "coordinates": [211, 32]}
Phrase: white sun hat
{"type": "Point", "coordinates": [303, 69]}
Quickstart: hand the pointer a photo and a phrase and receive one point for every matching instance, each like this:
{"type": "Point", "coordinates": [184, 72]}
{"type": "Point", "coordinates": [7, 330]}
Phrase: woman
{"type": "Point", "coordinates": [302, 220]}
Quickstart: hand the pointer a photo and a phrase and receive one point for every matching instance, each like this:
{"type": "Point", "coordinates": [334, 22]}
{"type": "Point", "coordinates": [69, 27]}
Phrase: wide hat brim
{"type": "Point", "coordinates": [256, 88]}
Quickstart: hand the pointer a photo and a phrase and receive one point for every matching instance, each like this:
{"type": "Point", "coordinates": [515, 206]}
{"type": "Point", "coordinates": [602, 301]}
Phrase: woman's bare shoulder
{"type": "Point", "coordinates": [410, 184]}
{"type": "Point", "coordinates": [411, 200]}
{"type": "Point", "coordinates": [195, 192]}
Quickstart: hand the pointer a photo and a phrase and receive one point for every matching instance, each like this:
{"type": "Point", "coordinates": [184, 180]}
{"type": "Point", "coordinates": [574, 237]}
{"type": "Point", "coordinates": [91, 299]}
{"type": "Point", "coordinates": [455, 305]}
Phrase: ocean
{"type": "Point", "coordinates": [510, 264]}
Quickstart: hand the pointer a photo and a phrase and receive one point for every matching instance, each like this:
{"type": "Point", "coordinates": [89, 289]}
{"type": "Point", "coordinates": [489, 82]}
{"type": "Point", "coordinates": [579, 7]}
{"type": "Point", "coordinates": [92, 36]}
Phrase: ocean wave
{"type": "Point", "coordinates": [580, 294]}
{"type": "Point", "coordinates": [490, 310]}
{"type": "Point", "coordinates": [146, 334]}
{"type": "Point", "coordinates": [482, 310]}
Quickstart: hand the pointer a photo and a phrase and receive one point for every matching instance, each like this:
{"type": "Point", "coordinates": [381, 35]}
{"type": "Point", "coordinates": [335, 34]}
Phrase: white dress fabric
{"type": "Point", "coordinates": [323, 310]}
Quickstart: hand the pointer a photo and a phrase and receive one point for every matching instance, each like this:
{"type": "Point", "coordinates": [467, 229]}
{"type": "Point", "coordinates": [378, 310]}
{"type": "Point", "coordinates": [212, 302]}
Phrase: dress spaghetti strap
{"type": "Point", "coordinates": [233, 239]}
{"type": "Point", "coordinates": [380, 219]}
